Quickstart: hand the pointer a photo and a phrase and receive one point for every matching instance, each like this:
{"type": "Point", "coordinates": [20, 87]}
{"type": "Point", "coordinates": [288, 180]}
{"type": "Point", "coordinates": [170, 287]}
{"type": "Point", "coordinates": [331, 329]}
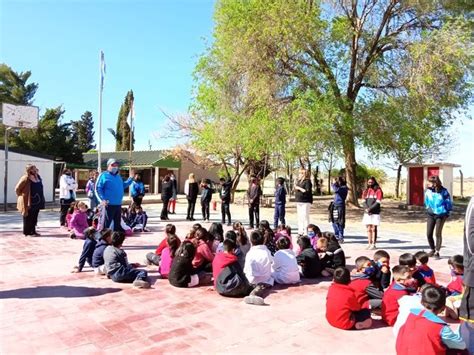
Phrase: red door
{"type": "Point", "coordinates": [433, 171]}
{"type": "Point", "coordinates": [416, 186]}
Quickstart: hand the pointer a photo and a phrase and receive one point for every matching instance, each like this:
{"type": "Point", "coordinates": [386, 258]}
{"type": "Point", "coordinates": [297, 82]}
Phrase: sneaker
{"type": "Point", "coordinates": [36, 234]}
{"type": "Point", "coordinates": [255, 300]}
{"type": "Point", "coordinates": [72, 236]}
{"type": "Point", "coordinates": [368, 247]}
{"type": "Point", "coordinates": [141, 284]}
{"type": "Point", "coordinates": [229, 224]}
{"type": "Point", "coordinates": [436, 255]}
{"type": "Point", "coordinates": [365, 324]}
{"type": "Point", "coordinates": [373, 247]}
{"type": "Point", "coordinates": [341, 241]}
{"type": "Point", "coordinates": [431, 253]}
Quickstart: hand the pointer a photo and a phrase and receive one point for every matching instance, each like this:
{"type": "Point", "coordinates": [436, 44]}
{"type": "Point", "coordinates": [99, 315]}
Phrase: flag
{"type": "Point", "coordinates": [102, 70]}
{"type": "Point", "coordinates": [131, 116]}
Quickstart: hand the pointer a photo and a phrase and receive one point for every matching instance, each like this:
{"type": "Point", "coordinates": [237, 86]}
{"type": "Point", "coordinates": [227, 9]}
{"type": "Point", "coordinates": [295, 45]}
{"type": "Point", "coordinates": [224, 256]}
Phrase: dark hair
{"type": "Point", "coordinates": [216, 231]}
{"type": "Point", "coordinates": [433, 298]}
{"type": "Point", "coordinates": [285, 227]}
{"type": "Point", "coordinates": [376, 184]}
{"type": "Point", "coordinates": [242, 238]}
{"type": "Point", "coordinates": [283, 243]}
{"type": "Point", "coordinates": [229, 245]}
{"type": "Point", "coordinates": [342, 276]}
{"type": "Point", "coordinates": [268, 235]}
{"type": "Point", "coordinates": [436, 180]}
{"type": "Point", "coordinates": [118, 239]}
{"type": "Point", "coordinates": [170, 229]}
{"type": "Point", "coordinates": [221, 179]}
{"type": "Point", "coordinates": [304, 242]}
{"type": "Point", "coordinates": [280, 180]}
{"type": "Point", "coordinates": [105, 233]}
{"type": "Point", "coordinates": [457, 261]}
{"type": "Point", "coordinates": [330, 236]}
{"type": "Point", "coordinates": [314, 228]}
{"type": "Point", "coordinates": [193, 230]}
{"type": "Point", "coordinates": [264, 224]}
{"type": "Point", "coordinates": [398, 271]}
{"type": "Point", "coordinates": [422, 257]}
{"type": "Point", "coordinates": [360, 261]}
{"type": "Point", "coordinates": [379, 254]}
{"type": "Point", "coordinates": [407, 259]}
{"type": "Point", "coordinates": [186, 250]}
{"type": "Point", "coordinates": [166, 178]}
{"type": "Point", "coordinates": [231, 235]}
{"type": "Point", "coordinates": [90, 233]}
{"type": "Point", "coordinates": [173, 244]}
{"type": "Point", "coordinates": [196, 226]}
{"type": "Point", "coordinates": [256, 238]}
{"type": "Point", "coordinates": [72, 207]}
{"type": "Point", "coordinates": [201, 234]}
{"type": "Point", "coordinates": [341, 181]}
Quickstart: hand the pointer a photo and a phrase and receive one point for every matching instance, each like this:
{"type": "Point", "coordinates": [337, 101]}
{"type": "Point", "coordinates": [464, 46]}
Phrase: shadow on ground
{"type": "Point", "coordinates": [62, 291]}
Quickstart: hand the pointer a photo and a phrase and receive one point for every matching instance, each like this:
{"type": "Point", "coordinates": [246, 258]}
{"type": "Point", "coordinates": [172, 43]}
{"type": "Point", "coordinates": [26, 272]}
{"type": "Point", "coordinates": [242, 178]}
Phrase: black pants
{"type": "Point", "coordinates": [164, 209]}
{"type": "Point", "coordinates": [65, 204]}
{"type": "Point", "coordinates": [191, 207]}
{"type": "Point", "coordinates": [433, 222]}
{"type": "Point", "coordinates": [279, 215]}
{"type": "Point", "coordinates": [30, 221]}
{"type": "Point", "coordinates": [137, 200]}
{"type": "Point", "coordinates": [225, 211]}
{"type": "Point", "coordinates": [254, 210]}
{"type": "Point", "coordinates": [113, 213]}
{"type": "Point", "coordinates": [153, 258]}
{"type": "Point", "coordinates": [205, 210]}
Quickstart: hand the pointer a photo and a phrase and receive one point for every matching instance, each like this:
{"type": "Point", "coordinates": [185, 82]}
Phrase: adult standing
{"type": "Point", "coordinates": [337, 208]}
{"type": "Point", "coordinates": [137, 190]}
{"type": "Point", "coordinates": [466, 311]}
{"type": "Point", "coordinates": [373, 198]}
{"type": "Point", "coordinates": [254, 193]}
{"type": "Point", "coordinates": [304, 199]}
{"type": "Point", "coordinates": [438, 204]}
{"type": "Point", "coordinates": [90, 189]}
{"type": "Point", "coordinates": [166, 194]}
{"type": "Point", "coordinates": [67, 194]}
{"type": "Point", "coordinates": [29, 190]}
{"type": "Point", "coordinates": [191, 190]}
{"type": "Point", "coordinates": [174, 194]}
{"type": "Point", "coordinates": [109, 189]}
{"type": "Point", "coordinates": [224, 194]}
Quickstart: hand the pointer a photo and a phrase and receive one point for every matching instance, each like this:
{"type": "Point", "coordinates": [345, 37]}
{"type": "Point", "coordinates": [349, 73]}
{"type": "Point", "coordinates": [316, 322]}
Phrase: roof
{"type": "Point", "coordinates": [142, 159]}
{"type": "Point", "coordinates": [441, 163]}
{"type": "Point", "coordinates": [28, 152]}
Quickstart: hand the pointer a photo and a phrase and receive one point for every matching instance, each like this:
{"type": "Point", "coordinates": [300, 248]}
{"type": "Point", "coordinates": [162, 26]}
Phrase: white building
{"type": "Point", "coordinates": [17, 161]}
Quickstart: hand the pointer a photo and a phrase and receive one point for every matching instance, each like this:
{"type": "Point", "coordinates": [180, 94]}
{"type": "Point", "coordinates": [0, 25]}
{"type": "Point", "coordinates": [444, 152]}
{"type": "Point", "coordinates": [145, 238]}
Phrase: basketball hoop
{"type": "Point", "coordinates": [17, 116]}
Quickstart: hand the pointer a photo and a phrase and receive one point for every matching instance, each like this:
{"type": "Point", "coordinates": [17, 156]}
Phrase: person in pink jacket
{"type": "Point", "coordinates": [203, 258]}
{"type": "Point", "coordinates": [78, 223]}
{"type": "Point", "coordinates": [167, 255]}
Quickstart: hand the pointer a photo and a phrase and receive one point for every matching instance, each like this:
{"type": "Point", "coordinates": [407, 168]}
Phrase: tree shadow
{"type": "Point", "coordinates": [61, 291]}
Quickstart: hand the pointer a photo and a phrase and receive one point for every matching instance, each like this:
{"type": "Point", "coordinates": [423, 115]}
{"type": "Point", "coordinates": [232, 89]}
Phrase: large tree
{"type": "Point", "coordinates": [83, 130]}
{"type": "Point", "coordinates": [123, 131]}
{"type": "Point", "coordinates": [338, 60]}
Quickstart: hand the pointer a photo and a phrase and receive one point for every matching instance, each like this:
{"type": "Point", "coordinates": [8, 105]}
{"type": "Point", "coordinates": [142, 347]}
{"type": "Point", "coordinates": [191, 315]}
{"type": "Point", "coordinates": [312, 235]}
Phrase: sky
{"type": "Point", "coordinates": [150, 47]}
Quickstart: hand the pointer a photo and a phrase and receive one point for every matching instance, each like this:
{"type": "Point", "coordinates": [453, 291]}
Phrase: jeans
{"type": "Point", "coordinates": [93, 203]}
{"type": "Point", "coordinates": [127, 274]}
{"type": "Point", "coordinates": [225, 211]}
{"type": "Point", "coordinates": [338, 230]}
{"type": "Point", "coordinates": [205, 210]}
{"type": "Point", "coordinates": [30, 221]}
{"type": "Point", "coordinates": [433, 222]}
{"type": "Point", "coordinates": [279, 215]}
{"type": "Point", "coordinates": [153, 259]}
{"type": "Point", "coordinates": [191, 207]}
{"type": "Point", "coordinates": [65, 204]}
{"type": "Point", "coordinates": [254, 210]}
{"type": "Point", "coordinates": [113, 214]}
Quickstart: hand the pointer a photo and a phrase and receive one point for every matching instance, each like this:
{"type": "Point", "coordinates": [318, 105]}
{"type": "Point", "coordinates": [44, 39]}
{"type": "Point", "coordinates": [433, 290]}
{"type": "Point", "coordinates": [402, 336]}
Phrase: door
{"type": "Point", "coordinates": [433, 171]}
{"type": "Point", "coordinates": [416, 193]}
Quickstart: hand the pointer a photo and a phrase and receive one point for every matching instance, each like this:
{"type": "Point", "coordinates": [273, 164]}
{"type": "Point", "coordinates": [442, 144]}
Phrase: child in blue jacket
{"type": "Point", "coordinates": [280, 203]}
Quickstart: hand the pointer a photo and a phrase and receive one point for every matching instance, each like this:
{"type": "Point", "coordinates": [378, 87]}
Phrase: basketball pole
{"type": "Point", "coordinates": [101, 87]}
{"type": "Point", "coordinates": [5, 177]}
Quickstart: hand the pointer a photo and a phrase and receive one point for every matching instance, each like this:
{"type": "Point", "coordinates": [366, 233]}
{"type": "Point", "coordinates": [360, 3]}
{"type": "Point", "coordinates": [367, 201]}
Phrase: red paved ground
{"type": "Point", "coordinates": [45, 308]}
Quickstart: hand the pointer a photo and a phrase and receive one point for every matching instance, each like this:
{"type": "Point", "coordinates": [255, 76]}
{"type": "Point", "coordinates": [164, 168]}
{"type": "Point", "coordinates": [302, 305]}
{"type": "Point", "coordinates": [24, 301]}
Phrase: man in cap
{"type": "Point", "coordinates": [109, 190]}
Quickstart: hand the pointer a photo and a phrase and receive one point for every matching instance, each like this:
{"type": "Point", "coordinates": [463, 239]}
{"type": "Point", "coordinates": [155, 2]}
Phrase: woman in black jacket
{"type": "Point", "coordinates": [304, 199]}
{"type": "Point", "coordinates": [166, 194]}
{"type": "Point", "coordinates": [191, 190]}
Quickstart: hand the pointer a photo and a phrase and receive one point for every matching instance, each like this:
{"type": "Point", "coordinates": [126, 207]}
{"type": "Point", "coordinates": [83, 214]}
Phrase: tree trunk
{"type": "Point", "coordinates": [397, 183]}
{"type": "Point", "coordinates": [350, 165]}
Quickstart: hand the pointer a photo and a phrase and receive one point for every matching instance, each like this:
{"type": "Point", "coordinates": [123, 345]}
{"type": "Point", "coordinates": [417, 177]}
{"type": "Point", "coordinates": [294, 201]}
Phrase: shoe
{"type": "Point", "coordinates": [436, 255]}
{"type": "Point", "coordinates": [229, 224]}
{"type": "Point", "coordinates": [255, 300]}
{"type": "Point", "coordinates": [146, 262]}
{"type": "Point", "coordinates": [368, 247]}
{"type": "Point", "coordinates": [72, 236]}
{"type": "Point", "coordinates": [365, 324]}
{"type": "Point", "coordinates": [340, 240]}
{"type": "Point", "coordinates": [188, 219]}
{"type": "Point", "coordinates": [192, 219]}
{"type": "Point", "coordinates": [36, 234]}
{"type": "Point", "coordinates": [141, 284]}
{"type": "Point", "coordinates": [373, 247]}
{"type": "Point", "coordinates": [431, 253]}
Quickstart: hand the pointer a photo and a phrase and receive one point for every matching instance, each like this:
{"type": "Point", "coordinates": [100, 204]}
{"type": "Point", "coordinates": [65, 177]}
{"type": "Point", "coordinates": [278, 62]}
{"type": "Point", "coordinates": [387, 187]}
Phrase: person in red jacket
{"type": "Point", "coordinates": [425, 333]}
{"type": "Point", "coordinates": [423, 269]}
{"type": "Point", "coordinates": [401, 277]}
{"type": "Point", "coordinates": [343, 311]}
{"type": "Point", "coordinates": [221, 260]}
{"type": "Point", "coordinates": [154, 258]}
{"type": "Point", "coordinates": [367, 294]}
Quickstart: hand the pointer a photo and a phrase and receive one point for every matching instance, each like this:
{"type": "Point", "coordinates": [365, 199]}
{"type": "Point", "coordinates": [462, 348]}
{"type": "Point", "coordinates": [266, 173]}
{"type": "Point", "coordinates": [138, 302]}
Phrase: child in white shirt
{"type": "Point", "coordinates": [285, 267]}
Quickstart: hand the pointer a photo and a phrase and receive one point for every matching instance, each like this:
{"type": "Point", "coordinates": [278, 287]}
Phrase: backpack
{"type": "Point", "coordinates": [232, 282]}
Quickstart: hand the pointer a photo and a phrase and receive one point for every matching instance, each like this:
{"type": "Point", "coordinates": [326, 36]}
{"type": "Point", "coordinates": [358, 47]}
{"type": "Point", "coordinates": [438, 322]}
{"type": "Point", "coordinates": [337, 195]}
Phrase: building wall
{"type": "Point", "coordinates": [16, 168]}
{"type": "Point", "coordinates": [447, 178]}
{"type": "Point", "coordinates": [188, 167]}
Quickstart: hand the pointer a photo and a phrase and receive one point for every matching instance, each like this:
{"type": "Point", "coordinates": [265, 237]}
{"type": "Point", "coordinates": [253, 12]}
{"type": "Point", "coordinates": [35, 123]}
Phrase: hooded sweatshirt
{"type": "Point", "coordinates": [110, 187]}
{"type": "Point", "coordinates": [221, 260]}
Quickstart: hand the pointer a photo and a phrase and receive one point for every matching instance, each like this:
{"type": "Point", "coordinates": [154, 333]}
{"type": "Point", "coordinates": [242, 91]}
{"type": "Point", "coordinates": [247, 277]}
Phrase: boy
{"type": "Point", "coordinates": [206, 197]}
{"type": "Point", "coordinates": [424, 332]}
{"type": "Point", "coordinates": [409, 261]}
{"type": "Point", "coordinates": [224, 194]}
{"type": "Point", "coordinates": [398, 289]}
{"type": "Point", "coordinates": [117, 266]}
{"type": "Point", "coordinates": [342, 309]}
{"type": "Point", "coordinates": [330, 253]}
{"type": "Point", "coordinates": [456, 264]}
{"type": "Point", "coordinates": [98, 257]}
{"type": "Point", "coordinates": [383, 276]}
{"type": "Point", "coordinates": [87, 250]}
{"type": "Point", "coordinates": [423, 269]}
{"type": "Point", "coordinates": [258, 269]}
{"type": "Point", "coordinates": [138, 224]}
{"type": "Point", "coordinates": [366, 292]}
{"type": "Point", "coordinates": [280, 202]}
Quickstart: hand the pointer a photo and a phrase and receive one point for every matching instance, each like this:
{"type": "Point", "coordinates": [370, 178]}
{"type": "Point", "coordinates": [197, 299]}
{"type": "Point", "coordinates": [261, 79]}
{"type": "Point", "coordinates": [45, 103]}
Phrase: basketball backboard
{"type": "Point", "coordinates": [20, 116]}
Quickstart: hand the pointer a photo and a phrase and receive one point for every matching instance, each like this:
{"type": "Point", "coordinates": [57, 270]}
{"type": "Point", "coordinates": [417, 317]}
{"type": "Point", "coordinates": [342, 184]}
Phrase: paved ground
{"type": "Point", "coordinates": [46, 309]}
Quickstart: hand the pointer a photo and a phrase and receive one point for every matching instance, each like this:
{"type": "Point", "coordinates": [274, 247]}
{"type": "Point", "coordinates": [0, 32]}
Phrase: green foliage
{"type": "Point", "coordinates": [122, 132]}
{"type": "Point", "coordinates": [13, 86]}
{"type": "Point", "coordinates": [83, 130]}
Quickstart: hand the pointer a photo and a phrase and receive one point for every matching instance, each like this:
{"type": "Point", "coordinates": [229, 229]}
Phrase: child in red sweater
{"type": "Point", "coordinates": [423, 269]}
{"type": "Point", "coordinates": [203, 257]}
{"type": "Point", "coordinates": [456, 264]}
{"type": "Point", "coordinates": [154, 258]}
{"type": "Point", "coordinates": [398, 289]}
{"type": "Point", "coordinates": [343, 311]}
{"type": "Point", "coordinates": [367, 294]}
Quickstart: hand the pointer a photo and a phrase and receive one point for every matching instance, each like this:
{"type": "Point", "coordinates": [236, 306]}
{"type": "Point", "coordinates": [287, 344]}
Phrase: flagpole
{"type": "Point", "coordinates": [131, 139]}
{"type": "Point", "coordinates": [101, 87]}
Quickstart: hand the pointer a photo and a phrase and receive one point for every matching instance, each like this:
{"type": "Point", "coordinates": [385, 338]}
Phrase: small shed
{"type": "Point", "coordinates": [418, 174]}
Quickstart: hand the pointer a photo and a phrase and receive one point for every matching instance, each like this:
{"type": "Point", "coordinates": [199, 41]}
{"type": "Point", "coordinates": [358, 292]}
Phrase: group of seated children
{"type": "Point", "coordinates": [134, 219]}
{"type": "Point", "coordinates": [78, 218]}
{"type": "Point", "coordinates": [407, 298]}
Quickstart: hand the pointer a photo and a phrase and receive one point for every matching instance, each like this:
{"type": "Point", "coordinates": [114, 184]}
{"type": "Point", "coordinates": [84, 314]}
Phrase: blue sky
{"type": "Point", "coordinates": [150, 47]}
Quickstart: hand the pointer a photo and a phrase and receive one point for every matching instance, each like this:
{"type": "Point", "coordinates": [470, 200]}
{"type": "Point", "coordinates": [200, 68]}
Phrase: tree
{"type": "Point", "coordinates": [83, 130]}
{"type": "Point", "coordinates": [340, 58]}
{"type": "Point", "coordinates": [122, 131]}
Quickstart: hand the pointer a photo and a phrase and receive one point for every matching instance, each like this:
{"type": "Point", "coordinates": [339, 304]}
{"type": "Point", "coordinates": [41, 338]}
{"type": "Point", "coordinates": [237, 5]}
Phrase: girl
{"type": "Point", "coordinates": [191, 190]}
{"type": "Point", "coordinates": [269, 236]}
{"type": "Point", "coordinates": [285, 267]}
{"type": "Point", "coordinates": [284, 231]}
{"type": "Point", "coordinates": [314, 233]}
{"type": "Point", "coordinates": [303, 198]}
{"type": "Point", "coordinates": [216, 236]}
{"type": "Point", "coordinates": [90, 189]}
{"type": "Point", "coordinates": [373, 197]}
{"type": "Point", "coordinates": [174, 194]}
{"type": "Point", "coordinates": [69, 214]}
{"type": "Point", "coordinates": [243, 243]}
{"type": "Point", "coordinates": [154, 258]}
{"type": "Point", "coordinates": [308, 259]}
{"type": "Point", "coordinates": [337, 208]}
{"type": "Point", "coordinates": [67, 194]}
{"type": "Point", "coordinates": [182, 273]}
{"type": "Point", "coordinates": [137, 190]}
{"type": "Point", "coordinates": [168, 254]}
{"type": "Point", "coordinates": [203, 257]}
{"type": "Point", "coordinates": [78, 223]}
{"type": "Point", "coordinates": [206, 197]}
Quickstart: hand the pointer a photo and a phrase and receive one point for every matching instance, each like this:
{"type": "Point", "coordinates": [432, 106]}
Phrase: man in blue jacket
{"type": "Point", "coordinates": [109, 190]}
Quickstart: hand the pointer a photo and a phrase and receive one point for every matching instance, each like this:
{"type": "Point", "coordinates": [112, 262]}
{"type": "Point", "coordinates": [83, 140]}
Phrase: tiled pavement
{"type": "Point", "coordinates": [46, 309]}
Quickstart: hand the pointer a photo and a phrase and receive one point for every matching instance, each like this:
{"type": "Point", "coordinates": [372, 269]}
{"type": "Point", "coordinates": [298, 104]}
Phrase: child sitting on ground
{"type": "Point", "coordinates": [342, 309]}
{"type": "Point", "coordinates": [182, 273]}
{"type": "Point", "coordinates": [87, 250]}
{"type": "Point", "coordinates": [140, 218]}
{"type": "Point", "coordinates": [381, 263]}
{"type": "Point", "coordinates": [268, 236]}
{"type": "Point", "coordinates": [456, 265]}
{"type": "Point", "coordinates": [78, 223]}
{"type": "Point", "coordinates": [154, 258]}
{"type": "Point", "coordinates": [229, 278]}
{"type": "Point", "coordinates": [126, 216]}
{"type": "Point", "coordinates": [423, 269]}
{"type": "Point", "coordinates": [417, 279]}
{"type": "Point", "coordinates": [398, 289]}
{"type": "Point", "coordinates": [168, 254]}
{"type": "Point", "coordinates": [314, 233]}
{"type": "Point", "coordinates": [237, 251]}
{"type": "Point", "coordinates": [216, 236]}
{"type": "Point", "coordinates": [285, 267]}
{"type": "Point", "coordinates": [258, 269]}
{"type": "Point", "coordinates": [203, 257]}
{"type": "Point", "coordinates": [308, 259]}
{"type": "Point", "coordinates": [98, 257]}
{"type": "Point", "coordinates": [368, 295]}
{"type": "Point", "coordinates": [117, 266]}
{"type": "Point", "coordinates": [330, 252]}
{"type": "Point", "coordinates": [69, 214]}
{"type": "Point", "coordinates": [424, 332]}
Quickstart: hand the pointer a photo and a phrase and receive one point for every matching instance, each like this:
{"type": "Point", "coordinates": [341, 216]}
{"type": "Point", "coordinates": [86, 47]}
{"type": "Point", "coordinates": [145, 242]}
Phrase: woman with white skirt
{"type": "Point", "coordinates": [373, 197]}
{"type": "Point", "coordinates": [304, 199]}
